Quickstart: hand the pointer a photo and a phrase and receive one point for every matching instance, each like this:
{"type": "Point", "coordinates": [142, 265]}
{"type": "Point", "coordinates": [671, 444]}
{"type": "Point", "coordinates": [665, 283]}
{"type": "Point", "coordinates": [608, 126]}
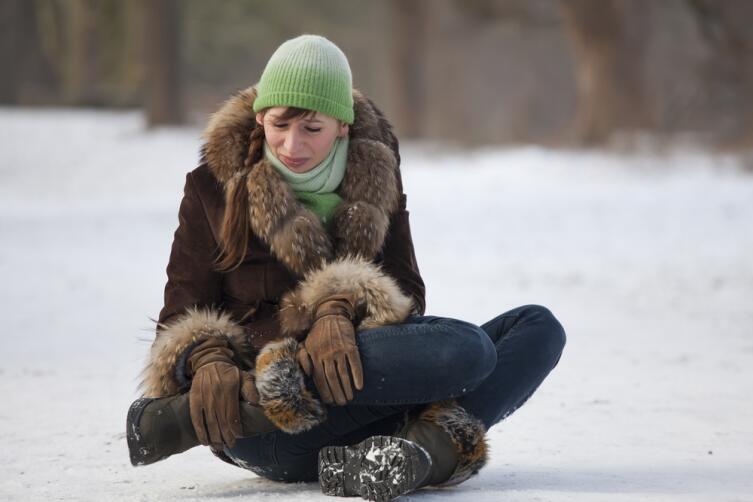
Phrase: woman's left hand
{"type": "Point", "coordinates": [330, 353]}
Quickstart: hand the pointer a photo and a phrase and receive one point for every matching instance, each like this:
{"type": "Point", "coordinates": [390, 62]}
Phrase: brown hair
{"type": "Point", "coordinates": [235, 224]}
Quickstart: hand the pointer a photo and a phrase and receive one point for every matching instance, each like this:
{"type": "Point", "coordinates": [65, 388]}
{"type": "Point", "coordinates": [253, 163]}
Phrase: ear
{"type": "Point", "coordinates": [260, 118]}
{"type": "Point", "coordinates": [344, 128]}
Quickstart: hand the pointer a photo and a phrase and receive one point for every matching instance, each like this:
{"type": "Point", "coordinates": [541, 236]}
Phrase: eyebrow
{"type": "Point", "coordinates": [277, 117]}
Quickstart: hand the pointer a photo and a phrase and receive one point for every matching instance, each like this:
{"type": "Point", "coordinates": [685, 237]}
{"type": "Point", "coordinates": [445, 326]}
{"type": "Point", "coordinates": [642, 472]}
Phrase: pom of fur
{"type": "Point", "coordinates": [282, 390]}
{"type": "Point", "coordinates": [376, 293]}
{"type": "Point", "coordinates": [359, 228]}
{"type": "Point", "coordinates": [370, 194]}
{"type": "Point", "coordinates": [295, 235]}
{"type": "Point", "coordinates": [159, 375]}
{"type": "Point", "coordinates": [371, 175]}
{"type": "Point", "coordinates": [468, 434]}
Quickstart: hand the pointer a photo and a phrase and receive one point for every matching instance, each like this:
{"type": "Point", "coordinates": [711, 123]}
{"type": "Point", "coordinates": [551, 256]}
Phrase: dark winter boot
{"type": "Point", "coordinates": [157, 428]}
{"type": "Point", "coordinates": [379, 468]}
{"type": "Point", "coordinates": [455, 440]}
{"type": "Point", "coordinates": [443, 446]}
{"type": "Point", "coordinates": [437, 443]}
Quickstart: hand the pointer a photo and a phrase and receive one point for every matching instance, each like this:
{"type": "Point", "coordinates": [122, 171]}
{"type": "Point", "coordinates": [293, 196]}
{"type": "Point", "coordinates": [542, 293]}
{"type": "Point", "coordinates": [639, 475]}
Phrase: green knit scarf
{"type": "Point", "coordinates": [315, 188]}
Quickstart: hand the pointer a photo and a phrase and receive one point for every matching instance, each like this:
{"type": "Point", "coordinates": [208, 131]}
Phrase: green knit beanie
{"type": "Point", "coordinates": [308, 72]}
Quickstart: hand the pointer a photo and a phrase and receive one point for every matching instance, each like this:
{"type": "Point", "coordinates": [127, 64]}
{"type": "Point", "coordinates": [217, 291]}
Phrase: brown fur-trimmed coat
{"type": "Point", "coordinates": [291, 261]}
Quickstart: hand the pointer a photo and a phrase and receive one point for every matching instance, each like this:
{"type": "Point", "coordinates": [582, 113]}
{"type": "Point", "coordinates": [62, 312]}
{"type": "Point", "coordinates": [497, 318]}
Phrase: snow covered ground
{"type": "Point", "coordinates": [646, 259]}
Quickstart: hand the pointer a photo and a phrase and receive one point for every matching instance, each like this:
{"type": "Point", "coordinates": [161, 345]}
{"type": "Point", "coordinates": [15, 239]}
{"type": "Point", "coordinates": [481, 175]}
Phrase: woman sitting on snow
{"type": "Point", "coordinates": [293, 339]}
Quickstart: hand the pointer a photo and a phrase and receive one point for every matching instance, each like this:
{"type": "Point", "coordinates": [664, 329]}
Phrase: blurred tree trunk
{"type": "Point", "coordinates": [14, 15]}
{"type": "Point", "coordinates": [725, 28]}
{"type": "Point", "coordinates": [26, 72]}
{"type": "Point", "coordinates": [407, 66]}
{"type": "Point", "coordinates": [82, 73]}
{"type": "Point", "coordinates": [162, 62]}
{"type": "Point", "coordinates": [606, 37]}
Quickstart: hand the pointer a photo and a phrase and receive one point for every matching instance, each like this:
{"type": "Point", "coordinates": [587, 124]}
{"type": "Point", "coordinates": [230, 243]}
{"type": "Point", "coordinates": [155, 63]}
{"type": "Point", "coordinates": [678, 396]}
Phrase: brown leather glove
{"type": "Point", "coordinates": [249, 393]}
{"type": "Point", "coordinates": [330, 350]}
{"type": "Point", "coordinates": [214, 398]}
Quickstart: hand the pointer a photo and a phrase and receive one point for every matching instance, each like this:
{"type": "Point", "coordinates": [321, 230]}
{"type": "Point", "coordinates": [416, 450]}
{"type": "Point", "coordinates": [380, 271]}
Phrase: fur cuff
{"type": "Point", "coordinates": [282, 390]}
{"type": "Point", "coordinates": [467, 433]}
{"type": "Point", "coordinates": [377, 295]}
{"type": "Point", "coordinates": [160, 376]}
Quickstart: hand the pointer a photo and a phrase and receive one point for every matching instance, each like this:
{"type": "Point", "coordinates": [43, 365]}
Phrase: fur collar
{"type": "Point", "coordinates": [294, 234]}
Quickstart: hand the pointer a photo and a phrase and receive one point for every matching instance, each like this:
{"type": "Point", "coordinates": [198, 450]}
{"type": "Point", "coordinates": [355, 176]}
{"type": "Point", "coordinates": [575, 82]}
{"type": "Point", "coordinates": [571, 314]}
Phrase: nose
{"type": "Point", "coordinates": [292, 142]}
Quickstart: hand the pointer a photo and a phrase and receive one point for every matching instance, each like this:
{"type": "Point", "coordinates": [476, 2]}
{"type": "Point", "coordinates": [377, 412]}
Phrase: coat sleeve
{"type": "Point", "coordinates": [193, 296]}
{"type": "Point", "coordinates": [399, 257]}
{"type": "Point", "coordinates": [191, 279]}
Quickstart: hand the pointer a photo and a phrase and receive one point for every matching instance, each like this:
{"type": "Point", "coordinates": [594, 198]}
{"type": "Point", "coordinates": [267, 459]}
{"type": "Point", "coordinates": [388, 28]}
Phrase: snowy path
{"type": "Point", "coordinates": [646, 260]}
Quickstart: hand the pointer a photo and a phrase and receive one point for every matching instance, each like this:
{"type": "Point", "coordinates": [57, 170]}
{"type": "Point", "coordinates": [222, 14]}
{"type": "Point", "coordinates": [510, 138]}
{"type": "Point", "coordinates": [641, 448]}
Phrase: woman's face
{"type": "Point", "coordinates": [300, 143]}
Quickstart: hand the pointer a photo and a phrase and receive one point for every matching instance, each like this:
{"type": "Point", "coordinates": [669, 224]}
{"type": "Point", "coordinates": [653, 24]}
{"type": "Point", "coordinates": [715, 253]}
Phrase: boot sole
{"type": "Point", "coordinates": [379, 468]}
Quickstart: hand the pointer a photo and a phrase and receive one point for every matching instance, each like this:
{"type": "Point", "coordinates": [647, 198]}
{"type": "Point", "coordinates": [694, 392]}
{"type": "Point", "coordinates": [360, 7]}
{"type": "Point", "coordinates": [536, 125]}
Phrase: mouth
{"type": "Point", "coordinates": [293, 162]}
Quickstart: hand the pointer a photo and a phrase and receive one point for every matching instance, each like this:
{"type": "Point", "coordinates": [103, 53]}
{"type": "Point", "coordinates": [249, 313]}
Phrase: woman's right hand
{"type": "Point", "coordinates": [214, 398]}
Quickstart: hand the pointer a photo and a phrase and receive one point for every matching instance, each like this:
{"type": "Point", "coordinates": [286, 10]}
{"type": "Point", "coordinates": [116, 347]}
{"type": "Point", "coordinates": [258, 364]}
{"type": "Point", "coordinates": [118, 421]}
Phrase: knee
{"type": "Point", "coordinates": [474, 356]}
{"type": "Point", "coordinates": [549, 335]}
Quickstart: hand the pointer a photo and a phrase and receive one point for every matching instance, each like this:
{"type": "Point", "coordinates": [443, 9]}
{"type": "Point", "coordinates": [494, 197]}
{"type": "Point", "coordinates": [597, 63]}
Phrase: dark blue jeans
{"type": "Point", "coordinates": [491, 370]}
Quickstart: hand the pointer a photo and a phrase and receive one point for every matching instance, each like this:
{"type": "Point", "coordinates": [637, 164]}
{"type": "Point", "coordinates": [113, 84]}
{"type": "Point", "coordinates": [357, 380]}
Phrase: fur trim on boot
{"type": "Point", "coordinates": [467, 433]}
{"type": "Point", "coordinates": [378, 298]}
{"type": "Point", "coordinates": [282, 390]}
{"type": "Point", "coordinates": [162, 375]}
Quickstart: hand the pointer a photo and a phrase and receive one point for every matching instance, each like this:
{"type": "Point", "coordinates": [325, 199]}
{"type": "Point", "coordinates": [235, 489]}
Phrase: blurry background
{"type": "Point", "coordinates": [562, 72]}
{"type": "Point", "coordinates": [593, 156]}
